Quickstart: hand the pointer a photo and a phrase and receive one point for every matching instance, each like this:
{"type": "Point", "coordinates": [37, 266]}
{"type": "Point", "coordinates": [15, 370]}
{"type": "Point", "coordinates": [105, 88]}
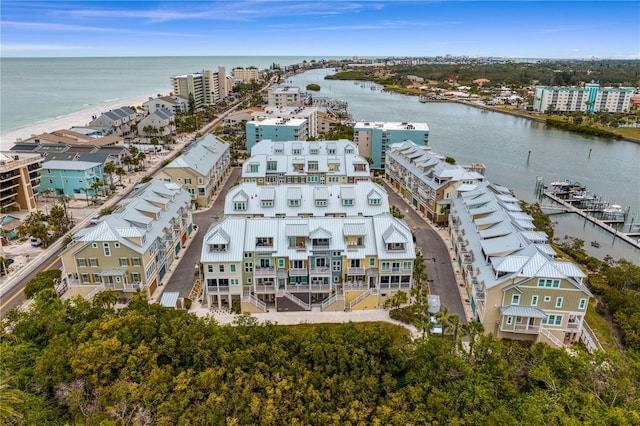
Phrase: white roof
{"type": "Point", "coordinates": [312, 199]}
{"type": "Point", "coordinates": [202, 156]}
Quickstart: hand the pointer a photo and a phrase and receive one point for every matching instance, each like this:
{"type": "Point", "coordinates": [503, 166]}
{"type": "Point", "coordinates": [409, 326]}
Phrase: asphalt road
{"type": "Point", "coordinates": [183, 277]}
{"type": "Point", "coordinates": [437, 258]}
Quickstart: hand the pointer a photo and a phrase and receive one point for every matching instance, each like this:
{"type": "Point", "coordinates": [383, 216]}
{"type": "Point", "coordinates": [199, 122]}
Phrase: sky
{"type": "Point", "coordinates": [517, 29]}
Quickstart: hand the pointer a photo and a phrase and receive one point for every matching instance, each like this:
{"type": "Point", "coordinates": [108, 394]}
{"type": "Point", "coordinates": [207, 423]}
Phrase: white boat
{"type": "Point", "coordinates": [585, 196]}
{"type": "Point", "coordinates": [613, 209]}
{"type": "Point", "coordinates": [560, 183]}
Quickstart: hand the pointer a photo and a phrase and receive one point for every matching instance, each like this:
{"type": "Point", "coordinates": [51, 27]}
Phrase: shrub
{"type": "Point", "coordinates": [42, 280]}
{"type": "Point", "coordinates": [405, 314]}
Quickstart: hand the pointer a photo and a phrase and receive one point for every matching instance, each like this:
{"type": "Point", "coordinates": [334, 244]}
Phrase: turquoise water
{"type": "Point", "coordinates": [37, 89]}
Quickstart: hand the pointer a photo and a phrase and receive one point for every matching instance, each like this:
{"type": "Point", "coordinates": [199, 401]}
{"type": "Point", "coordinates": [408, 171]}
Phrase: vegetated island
{"type": "Point", "coordinates": [314, 87]}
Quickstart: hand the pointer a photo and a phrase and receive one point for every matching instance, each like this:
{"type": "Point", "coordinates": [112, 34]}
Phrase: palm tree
{"type": "Point", "coordinates": [109, 169]}
{"type": "Point", "coordinates": [105, 299]}
{"type": "Point", "coordinates": [472, 329]}
{"type": "Point", "coordinates": [120, 172]}
{"type": "Point", "coordinates": [9, 399]}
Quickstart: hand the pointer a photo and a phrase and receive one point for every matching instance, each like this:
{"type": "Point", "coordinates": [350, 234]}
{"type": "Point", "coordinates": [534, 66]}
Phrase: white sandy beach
{"type": "Point", "coordinates": [81, 118]}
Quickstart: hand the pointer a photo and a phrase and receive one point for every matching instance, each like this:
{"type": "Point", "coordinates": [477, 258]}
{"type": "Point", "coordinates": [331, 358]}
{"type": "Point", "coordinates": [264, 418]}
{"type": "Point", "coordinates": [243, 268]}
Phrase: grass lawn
{"type": "Point", "coordinates": [629, 132]}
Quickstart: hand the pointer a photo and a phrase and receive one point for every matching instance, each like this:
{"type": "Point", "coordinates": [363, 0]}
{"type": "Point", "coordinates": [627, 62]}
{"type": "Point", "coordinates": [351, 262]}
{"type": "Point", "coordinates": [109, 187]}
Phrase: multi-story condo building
{"type": "Point", "coordinates": [71, 178]}
{"type": "Point", "coordinates": [207, 87]}
{"type": "Point", "coordinates": [246, 75]}
{"type": "Point", "coordinates": [276, 129]}
{"type": "Point", "coordinates": [201, 169]}
{"type": "Point", "coordinates": [19, 180]}
{"type": "Point", "coordinates": [284, 113]}
{"type": "Point", "coordinates": [317, 162]}
{"type": "Point", "coordinates": [131, 249]}
{"type": "Point", "coordinates": [373, 139]}
{"type": "Point", "coordinates": [425, 179]}
{"type": "Point", "coordinates": [284, 96]}
{"type": "Point", "coordinates": [517, 288]}
{"type": "Point", "coordinates": [590, 98]}
{"type": "Point", "coordinates": [336, 263]}
{"type": "Point", "coordinates": [364, 198]}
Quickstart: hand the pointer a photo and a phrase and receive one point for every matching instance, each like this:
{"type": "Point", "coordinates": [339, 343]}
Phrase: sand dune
{"type": "Point", "coordinates": [81, 118]}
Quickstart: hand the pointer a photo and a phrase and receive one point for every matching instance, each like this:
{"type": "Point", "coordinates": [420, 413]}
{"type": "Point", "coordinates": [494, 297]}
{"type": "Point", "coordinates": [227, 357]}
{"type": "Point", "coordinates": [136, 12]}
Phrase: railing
{"type": "Point", "coordinates": [264, 288]}
{"type": "Point", "coordinates": [395, 286]}
{"type": "Point", "coordinates": [320, 287]}
{"type": "Point", "coordinates": [359, 299]}
{"type": "Point", "coordinates": [573, 325]}
{"type": "Point", "coordinates": [355, 270]}
{"type": "Point", "coordinates": [527, 328]}
{"type": "Point", "coordinates": [330, 300]}
{"type": "Point", "coordinates": [264, 272]}
{"type": "Point", "coordinates": [255, 302]}
{"type": "Point", "coordinates": [298, 272]}
{"type": "Point", "coordinates": [306, 306]}
{"type": "Point", "coordinates": [217, 288]}
{"type": "Point", "coordinates": [589, 339]}
{"type": "Point", "coordinates": [553, 339]}
{"type": "Point", "coordinates": [133, 286]}
{"type": "Point", "coordinates": [360, 285]}
{"type": "Point", "coordinates": [320, 271]}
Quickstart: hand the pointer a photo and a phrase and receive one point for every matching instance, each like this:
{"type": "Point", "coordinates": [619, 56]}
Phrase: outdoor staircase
{"type": "Point", "coordinates": [553, 339]}
{"type": "Point", "coordinates": [255, 302]}
{"type": "Point", "coordinates": [359, 299]}
{"type": "Point", "coordinates": [331, 300]}
{"type": "Point", "coordinates": [304, 305]}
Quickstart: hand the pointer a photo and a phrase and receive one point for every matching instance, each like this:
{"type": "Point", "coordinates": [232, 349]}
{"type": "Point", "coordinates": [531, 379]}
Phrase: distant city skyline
{"type": "Point", "coordinates": [371, 28]}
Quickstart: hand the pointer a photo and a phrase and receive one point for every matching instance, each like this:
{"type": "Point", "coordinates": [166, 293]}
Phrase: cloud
{"type": "Point", "coordinates": [366, 27]}
{"type": "Point", "coordinates": [29, 47]}
{"type": "Point", "coordinates": [39, 26]}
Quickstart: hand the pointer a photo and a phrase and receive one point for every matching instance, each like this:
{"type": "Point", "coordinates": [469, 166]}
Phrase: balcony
{"type": "Point", "coordinates": [355, 270]}
{"type": "Point", "coordinates": [320, 271]}
{"type": "Point", "coordinates": [265, 289]}
{"type": "Point", "coordinates": [298, 272]}
{"type": "Point", "coordinates": [320, 288]}
{"type": "Point", "coordinates": [217, 289]}
{"type": "Point", "coordinates": [265, 272]}
{"type": "Point", "coordinates": [134, 286]}
{"type": "Point", "coordinates": [529, 329]}
{"type": "Point", "coordinates": [396, 271]}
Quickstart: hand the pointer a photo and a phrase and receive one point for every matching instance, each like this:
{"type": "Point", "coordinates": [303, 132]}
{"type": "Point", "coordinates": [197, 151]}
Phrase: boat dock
{"type": "Point", "coordinates": [604, 223]}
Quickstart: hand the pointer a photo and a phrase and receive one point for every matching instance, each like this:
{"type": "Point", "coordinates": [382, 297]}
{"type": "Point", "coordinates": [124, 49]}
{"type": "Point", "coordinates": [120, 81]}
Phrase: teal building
{"type": "Point", "coordinates": [69, 177]}
{"type": "Point", "coordinates": [276, 129]}
{"type": "Point", "coordinates": [373, 138]}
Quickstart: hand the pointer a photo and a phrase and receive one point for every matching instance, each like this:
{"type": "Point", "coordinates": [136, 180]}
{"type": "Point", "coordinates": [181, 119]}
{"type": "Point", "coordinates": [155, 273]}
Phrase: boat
{"type": "Point", "coordinates": [422, 99]}
{"type": "Point", "coordinates": [613, 209]}
{"type": "Point", "coordinates": [595, 244]}
{"type": "Point", "coordinates": [584, 196]}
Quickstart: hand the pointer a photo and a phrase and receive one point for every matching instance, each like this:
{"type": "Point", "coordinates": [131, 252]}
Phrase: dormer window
{"type": "Point", "coordinates": [294, 203]}
{"type": "Point", "coordinates": [266, 203]}
{"type": "Point", "coordinates": [347, 202]}
{"type": "Point", "coordinates": [395, 247]}
{"type": "Point", "coordinates": [296, 151]}
{"type": "Point", "coordinates": [374, 201]}
{"type": "Point", "coordinates": [272, 165]}
{"type": "Point", "coordinates": [240, 205]}
{"type": "Point", "coordinates": [313, 166]}
{"type": "Point", "coordinates": [253, 168]}
{"type": "Point", "coordinates": [321, 203]}
{"type": "Point", "coordinates": [264, 242]}
{"type": "Point", "coordinates": [320, 242]}
{"type": "Point", "coordinates": [218, 247]}
{"type": "Point", "coordinates": [331, 151]}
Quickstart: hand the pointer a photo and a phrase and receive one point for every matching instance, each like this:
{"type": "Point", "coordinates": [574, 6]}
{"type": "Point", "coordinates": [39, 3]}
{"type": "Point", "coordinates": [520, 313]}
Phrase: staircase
{"type": "Point", "coordinates": [553, 339]}
{"type": "Point", "coordinates": [255, 302]}
{"type": "Point", "coordinates": [331, 300]}
{"type": "Point", "coordinates": [359, 299]}
{"type": "Point", "coordinates": [304, 305]}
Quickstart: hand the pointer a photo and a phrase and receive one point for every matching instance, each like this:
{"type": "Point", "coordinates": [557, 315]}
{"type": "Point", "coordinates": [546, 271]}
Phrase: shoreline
{"type": "Point", "coordinates": [79, 119]}
{"type": "Point", "coordinates": [527, 117]}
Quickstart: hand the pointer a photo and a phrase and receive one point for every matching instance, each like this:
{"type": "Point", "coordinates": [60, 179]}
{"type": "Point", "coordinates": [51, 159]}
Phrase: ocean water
{"type": "Point", "coordinates": [38, 89]}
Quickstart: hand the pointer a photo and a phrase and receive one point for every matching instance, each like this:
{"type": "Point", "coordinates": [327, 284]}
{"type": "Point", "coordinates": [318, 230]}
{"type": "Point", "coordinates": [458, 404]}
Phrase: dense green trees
{"type": "Point", "coordinates": [76, 362]}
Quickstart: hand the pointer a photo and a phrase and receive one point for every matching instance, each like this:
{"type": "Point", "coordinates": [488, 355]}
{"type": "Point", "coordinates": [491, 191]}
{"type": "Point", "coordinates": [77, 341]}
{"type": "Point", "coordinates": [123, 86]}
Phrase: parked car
{"type": "Point", "coordinates": [95, 220]}
{"type": "Point", "coordinates": [35, 242]}
{"type": "Point", "coordinates": [436, 327]}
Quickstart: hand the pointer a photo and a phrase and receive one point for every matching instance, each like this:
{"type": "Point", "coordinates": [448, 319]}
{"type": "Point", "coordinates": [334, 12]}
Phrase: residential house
{"type": "Point", "coordinates": [70, 178]}
{"type": "Point", "coordinates": [517, 287]}
{"type": "Point", "coordinates": [19, 181]}
{"type": "Point", "coordinates": [316, 162]}
{"type": "Point", "coordinates": [158, 123]}
{"type": "Point", "coordinates": [130, 250]}
{"type": "Point", "coordinates": [174, 103]}
{"type": "Point", "coordinates": [426, 180]}
{"type": "Point", "coordinates": [364, 198]}
{"type": "Point", "coordinates": [373, 138]}
{"type": "Point", "coordinates": [291, 263]}
{"type": "Point", "coordinates": [116, 121]}
{"type": "Point", "coordinates": [201, 169]}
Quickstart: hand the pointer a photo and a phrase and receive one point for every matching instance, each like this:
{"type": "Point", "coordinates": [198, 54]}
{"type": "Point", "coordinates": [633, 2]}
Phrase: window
{"type": "Point", "coordinates": [372, 261]}
{"type": "Point", "coordinates": [221, 268]}
{"type": "Point", "coordinates": [272, 165]}
{"type": "Point", "coordinates": [374, 201]}
{"type": "Point", "coordinates": [123, 261]}
{"type": "Point", "coordinates": [385, 265]}
{"type": "Point", "coordinates": [96, 278]}
{"type": "Point", "coordinates": [187, 181]}
{"type": "Point", "coordinates": [135, 277]}
{"type": "Point", "coordinates": [534, 300]}
{"type": "Point", "coordinates": [93, 262]}
{"type": "Point", "coordinates": [548, 283]}
{"type": "Point", "coordinates": [509, 320]}
{"type": "Point", "coordinates": [94, 245]}
{"type": "Point", "coordinates": [240, 205]}
{"type": "Point", "coordinates": [81, 262]}
{"type": "Point", "coordinates": [406, 265]}
{"type": "Point", "coordinates": [321, 203]}
{"type": "Point", "coordinates": [559, 302]}
{"type": "Point", "coordinates": [280, 263]}
{"type": "Point", "coordinates": [294, 203]}
{"type": "Point", "coordinates": [232, 268]}
{"type": "Point", "coordinates": [200, 180]}
{"type": "Point", "coordinates": [552, 320]}
{"type": "Point", "coordinates": [582, 304]}
{"type": "Point", "coordinates": [335, 265]}
{"type": "Point", "coordinates": [547, 298]}
{"type": "Point", "coordinates": [248, 266]}
{"type": "Point", "coordinates": [515, 299]}
{"type": "Point", "coordinates": [253, 168]}
{"type": "Point", "coordinates": [347, 202]}
{"type": "Point", "coordinates": [85, 278]}
{"type": "Point", "coordinates": [117, 279]}
{"type": "Point", "coordinates": [136, 261]}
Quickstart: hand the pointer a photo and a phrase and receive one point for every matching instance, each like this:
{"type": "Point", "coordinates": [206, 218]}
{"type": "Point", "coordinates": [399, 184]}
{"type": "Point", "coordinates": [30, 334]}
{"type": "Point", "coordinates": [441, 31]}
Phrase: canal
{"type": "Point", "coordinates": [609, 169]}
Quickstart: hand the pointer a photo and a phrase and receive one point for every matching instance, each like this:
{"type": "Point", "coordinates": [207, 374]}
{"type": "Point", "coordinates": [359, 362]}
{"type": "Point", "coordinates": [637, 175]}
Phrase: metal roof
{"type": "Point", "coordinates": [169, 299]}
{"type": "Point", "coordinates": [522, 311]}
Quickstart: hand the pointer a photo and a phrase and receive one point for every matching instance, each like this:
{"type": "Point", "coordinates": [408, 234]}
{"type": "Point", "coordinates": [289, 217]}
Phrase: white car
{"type": "Point", "coordinates": [95, 220]}
{"type": "Point", "coordinates": [436, 327]}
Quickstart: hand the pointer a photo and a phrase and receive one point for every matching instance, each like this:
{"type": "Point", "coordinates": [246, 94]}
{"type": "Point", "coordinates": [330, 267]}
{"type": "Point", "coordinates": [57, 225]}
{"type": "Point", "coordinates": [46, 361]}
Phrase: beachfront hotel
{"type": "Point", "coordinates": [294, 263]}
{"type": "Point", "coordinates": [373, 138]}
{"type": "Point", "coordinates": [130, 250]}
{"type": "Point", "coordinates": [426, 180]}
{"type": "Point", "coordinates": [517, 288]}
{"type": "Point", "coordinates": [245, 75]}
{"type": "Point", "coordinates": [207, 87]}
{"type": "Point", "coordinates": [295, 162]}
{"type": "Point", "coordinates": [590, 98]}
{"type": "Point", "coordinates": [19, 181]}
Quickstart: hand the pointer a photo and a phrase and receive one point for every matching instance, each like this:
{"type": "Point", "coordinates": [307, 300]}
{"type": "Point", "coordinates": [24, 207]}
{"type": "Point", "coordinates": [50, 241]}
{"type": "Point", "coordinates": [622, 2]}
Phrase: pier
{"type": "Point", "coordinates": [567, 207]}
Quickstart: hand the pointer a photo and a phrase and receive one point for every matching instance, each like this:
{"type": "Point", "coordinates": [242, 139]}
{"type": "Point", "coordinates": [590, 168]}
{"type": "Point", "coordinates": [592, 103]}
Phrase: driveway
{"type": "Point", "coordinates": [436, 253]}
{"type": "Point", "coordinates": [183, 276]}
